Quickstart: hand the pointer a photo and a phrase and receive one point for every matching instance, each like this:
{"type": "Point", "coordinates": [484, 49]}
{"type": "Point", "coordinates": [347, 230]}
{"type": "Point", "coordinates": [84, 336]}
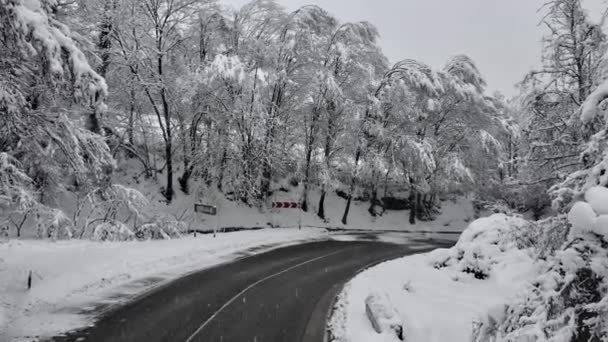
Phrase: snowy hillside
{"type": "Point", "coordinates": [454, 214]}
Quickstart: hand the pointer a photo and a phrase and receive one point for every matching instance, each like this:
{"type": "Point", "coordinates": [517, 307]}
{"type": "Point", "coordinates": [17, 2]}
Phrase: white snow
{"type": "Point", "coordinates": [597, 197]}
{"type": "Point", "coordinates": [78, 275]}
{"type": "Point", "coordinates": [582, 218]}
{"type": "Point", "coordinates": [591, 107]}
{"type": "Point", "coordinates": [382, 315]}
{"type": "Point", "coordinates": [437, 300]}
{"type": "Point", "coordinates": [584, 215]}
{"type": "Point", "coordinates": [600, 226]}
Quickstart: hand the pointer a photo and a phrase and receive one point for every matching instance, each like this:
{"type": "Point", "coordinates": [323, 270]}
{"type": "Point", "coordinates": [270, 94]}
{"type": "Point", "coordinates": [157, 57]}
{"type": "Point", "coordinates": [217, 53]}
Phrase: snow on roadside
{"type": "Point", "coordinates": [441, 294]}
{"type": "Point", "coordinates": [71, 277]}
{"type": "Point", "coordinates": [455, 213]}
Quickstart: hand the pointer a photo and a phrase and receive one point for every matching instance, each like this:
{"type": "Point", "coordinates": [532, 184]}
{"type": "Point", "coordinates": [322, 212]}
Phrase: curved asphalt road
{"type": "Point", "coordinates": [283, 295]}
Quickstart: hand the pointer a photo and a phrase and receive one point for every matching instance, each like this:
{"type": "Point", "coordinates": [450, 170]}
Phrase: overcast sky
{"type": "Point", "coordinates": [502, 36]}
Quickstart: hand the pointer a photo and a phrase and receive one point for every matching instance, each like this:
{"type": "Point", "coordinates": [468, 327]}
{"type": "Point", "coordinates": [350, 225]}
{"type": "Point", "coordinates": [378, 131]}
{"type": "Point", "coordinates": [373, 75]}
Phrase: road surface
{"type": "Point", "coordinates": [283, 295]}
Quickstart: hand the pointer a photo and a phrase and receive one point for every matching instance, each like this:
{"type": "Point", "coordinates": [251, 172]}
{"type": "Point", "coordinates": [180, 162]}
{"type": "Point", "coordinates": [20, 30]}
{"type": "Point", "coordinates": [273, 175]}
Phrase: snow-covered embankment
{"type": "Point", "coordinates": [445, 294]}
{"type": "Point", "coordinates": [72, 277]}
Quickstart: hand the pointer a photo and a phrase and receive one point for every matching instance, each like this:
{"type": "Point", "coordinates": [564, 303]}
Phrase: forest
{"type": "Point", "coordinates": [189, 94]}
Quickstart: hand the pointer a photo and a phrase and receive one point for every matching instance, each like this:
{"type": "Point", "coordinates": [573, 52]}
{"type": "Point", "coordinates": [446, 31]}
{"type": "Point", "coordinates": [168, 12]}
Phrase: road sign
{"type": "Point", "coordinates": [205, 209]}
{"type": "Point", "coordinates": [286, 205]}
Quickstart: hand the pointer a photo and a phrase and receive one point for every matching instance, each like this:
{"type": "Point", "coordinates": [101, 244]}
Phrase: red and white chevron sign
{"type": "Point", "coordinates": [286, 205]}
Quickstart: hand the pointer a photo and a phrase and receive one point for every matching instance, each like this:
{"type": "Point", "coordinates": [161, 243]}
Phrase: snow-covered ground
{"type": "Point", "coordinates": [437, 295]}
{"type": "Point", "coordinates": [455, 213]}
{"type": "Point", "coordinates": [73, 277]}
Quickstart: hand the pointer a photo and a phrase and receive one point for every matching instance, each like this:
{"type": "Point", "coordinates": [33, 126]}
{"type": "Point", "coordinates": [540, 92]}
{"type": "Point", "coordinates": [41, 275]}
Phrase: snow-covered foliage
{"type": "Point", "coordinates": [486, 244]}
{"type": "Point", "coordinates": [595, 161]}
{"type": "Point", "coordinates": [54, 224]}
{"type": "Point", "coordinates": [45, 152]}
{"type": "Point", "coordinates": [597, 197]}
{"type": "Point", "coordinates": [37, 34]}
{"type": "Point", "coordinates": [112, 231]}
{"type": "Point", "coordinates": [554, 136]}
{"type": "Point", "coordinates": [417, 75]}
{"type": "Point", "coordinates": [463, 69]}
{"type": "Point", "coordinates": [568, 301]}
{"type": "Point", "coordinates": [581, 218]}
{"type": "Point", "coordinates": [161, 228]}
{"type": "Point", "coordinates": [110, 208]}
{"type": "Point", "coordinates": [13, 183]}
{"type": "Point", "coordinates": [592, 106]}
{"type": "Point", "coordinates": [590, 216]}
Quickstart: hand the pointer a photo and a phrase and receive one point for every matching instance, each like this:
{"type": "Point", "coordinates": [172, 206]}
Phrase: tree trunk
{"type": "Point", "coordinates": [347, 209]}
{"type": "Point", "coordinates": [419, 206]}
{"type": "Point", "coordinates": [413, 204]}
{"type": "Point", "coordinates": [220, 180]}
{"type": "Point", "coordinates": [277, 99]}
{"type": "Point", "coordinates": [184, 179]}
{"type": "Point", "coordinates": [326, 154]}
{"type": "Point", "coordinates": [104, 45]}
{"type": "Point", "coordinates": [321, 212]}
{"type": "Point", "coordinates": [131, 122]}
{"type": "Point", "coordinates": [168, 148]}
{"type": "Point", "coordinates": [306, 179]}
{"type": "Point", "coordinates": [105, 37]}
{"type": "Point", "coordinates": [309, 148]}
{"type": "Point", "coordinates": [374, 201]}
{"type": "Point", "coordinates": [351, 190]}
{"type": "Point", "coordinates": [167, 118]}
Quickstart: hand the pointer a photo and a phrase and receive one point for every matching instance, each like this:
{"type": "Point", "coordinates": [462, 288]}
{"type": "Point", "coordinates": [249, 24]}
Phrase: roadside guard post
{"type": "Point", "coordinates": [210, 210]}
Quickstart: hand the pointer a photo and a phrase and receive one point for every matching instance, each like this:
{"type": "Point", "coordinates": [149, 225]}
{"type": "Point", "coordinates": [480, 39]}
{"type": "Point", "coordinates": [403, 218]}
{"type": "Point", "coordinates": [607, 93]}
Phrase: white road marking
{"type": "Point", "coordinates": [191, 338]}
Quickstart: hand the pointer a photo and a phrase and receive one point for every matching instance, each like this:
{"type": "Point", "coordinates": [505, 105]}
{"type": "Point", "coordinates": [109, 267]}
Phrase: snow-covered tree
{"type": "Point", "coordinates": [42, 68]}
{"type": "Point", "coordinates": [594, 157]}
{"type": "Point", "coordinates": [573, 54]}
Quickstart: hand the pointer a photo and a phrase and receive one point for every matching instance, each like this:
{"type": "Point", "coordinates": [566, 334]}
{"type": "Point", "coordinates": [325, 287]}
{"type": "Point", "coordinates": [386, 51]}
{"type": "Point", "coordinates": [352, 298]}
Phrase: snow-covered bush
{"type": "Point", "coordinates": [569, 301]}
{"type": "Point", "coordinates": [112, 231]}
{"type": "Point", "coordinates": [161, 229]}
{"type": "Point", "coordinates": [485, 328]}
{"type": "Point", "coordinates": [109, 204]}
{"type": "Point", "coordinates": [53, 224]}
{"type": "Point", "coordinates": [485, 243]}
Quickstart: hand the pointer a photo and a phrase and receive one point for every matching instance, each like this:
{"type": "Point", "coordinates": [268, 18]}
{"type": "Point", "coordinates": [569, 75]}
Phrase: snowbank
{"type": "Point", "coordinates": [583, 216]}
{"type": "Point", "coordinates": [441, 294]}
{"type": "Point", "coordinates": [73, 277]}
{"type": "Point", "coordinates": [597, 197]}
